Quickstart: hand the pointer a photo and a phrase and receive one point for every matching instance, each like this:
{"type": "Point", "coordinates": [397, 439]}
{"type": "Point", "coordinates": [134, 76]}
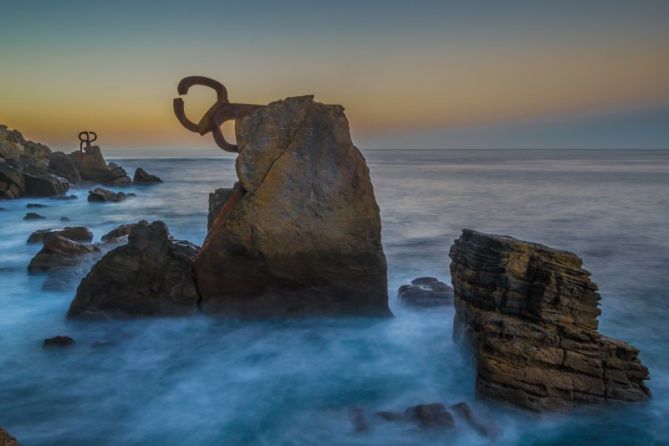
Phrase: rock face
{"type": "Point", "coordinates": [530, 313]}
{"type": "Point", "coordinates": [42, 184]}
{"type": "Point", "coordinates": [217, 200]}
{"type": "Point", "coordinates": [151, 275]}
{"type": "Point", "coordinates": [59, 252]}
{"type": "Point", "coordinates": [12, 184]}
{"type": "Point", "coordinates": [301, 233]}
{"type": "Point", "coordinates": [76, 233]}
{"type": "Point", "coordinates": [426, 292]}
{"type": "Point", "coordinates": [6, 439]}
{"type": "Point", "coordinates": [100, 195]}
{"type": "Point", "coordinates": [62, 165]}
{"type": "Point", "coordinates": [143, 177]}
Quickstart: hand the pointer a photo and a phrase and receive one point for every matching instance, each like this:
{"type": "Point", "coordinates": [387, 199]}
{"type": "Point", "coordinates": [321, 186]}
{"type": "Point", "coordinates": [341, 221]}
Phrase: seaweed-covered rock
{"type": "Point", "coordinates": [302, 232]}
{"type": "Point", "coordinates": [150, 275]}
{"type": "Point", "coordinates": [530, 313]}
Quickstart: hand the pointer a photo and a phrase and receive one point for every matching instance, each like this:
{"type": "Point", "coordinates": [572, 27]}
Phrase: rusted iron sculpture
{"type": "Point", "coordinates": [217, 114]}
{"type": "Point", "coordinates": [87, 140]}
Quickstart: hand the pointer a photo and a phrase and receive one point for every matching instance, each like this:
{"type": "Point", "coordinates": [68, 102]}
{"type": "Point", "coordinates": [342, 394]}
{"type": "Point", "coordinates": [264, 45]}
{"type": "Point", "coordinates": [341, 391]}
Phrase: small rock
{"type": "Point", "coordinates": [101, 195]}
{"type": "Point", "coordinates": [463, 410]}
{"type": "Point", "coordinates": [119, 231]}
{"type": "Point", "coordinates": [76, 233]}
{"type": "Point", "coordinates": [430, 415]}
{"type": "Point", "coordinates": [58, 341]}
{"type": "Point", "coordinates": [59, 252]}
{"type": "Point", "coordinates": [64, 219]}
{"type": "Point", "coordinates": [36, 205]}
{"type": "Point", "coordinates": [143, 177]}
{"type": "Point", "coordinates": [6, 439]}
{"type": "Point", "coordinates": [34, 216]}
{"type": "Point", "coordinates": [426, 292]}
{"type": "Point", "coordinates": [65, 197]}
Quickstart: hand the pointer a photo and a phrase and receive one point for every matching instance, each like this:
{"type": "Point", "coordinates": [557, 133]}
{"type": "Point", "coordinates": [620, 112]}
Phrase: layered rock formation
{"type": "Point", "coordinates": [301, 233]}
{"type": "Point", "coordinates": [151, 275]}
{"type": "Point", "coordinates": [530, 313]}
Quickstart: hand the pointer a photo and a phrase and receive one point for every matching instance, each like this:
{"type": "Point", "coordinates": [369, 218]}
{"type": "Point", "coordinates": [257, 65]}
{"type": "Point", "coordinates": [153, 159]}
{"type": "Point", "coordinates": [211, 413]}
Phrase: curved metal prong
{"type": "Point", "coordinates": [221, 142]}
{"type": "Point", "coordinates": [179, 111]}
{"type": "Point", "coordinates": [187, 82]}
{"type": "Point", "coordinates": [95, 136]}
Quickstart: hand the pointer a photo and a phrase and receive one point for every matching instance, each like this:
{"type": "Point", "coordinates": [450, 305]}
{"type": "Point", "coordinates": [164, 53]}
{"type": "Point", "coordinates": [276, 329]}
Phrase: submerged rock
{"type": "Point", "coordinates": [36, 206]}
{"type": "Point", "coordinates": [434, 415]}
{"type": "Point", "coordinates": [530, 313]}
{"type": "Point", "coordinates": [485, 428]}
{"type": "Point", "coordinates": [58, 341]}
{"type": "Point", "coordinates": [34, 216]}
{"type": "Point", "coordinates": [76, 233]}
{"type": "Point", "coordinates": [151, 275]}
{"type": "Point", "coordinates": [143, 177]}
{"type": "Point", "coordinates": [6, 439]}
{"type": "Point", "coordinates": [59, 252]}
{"type": "Point", "coordinates": [302, 232]}
{"type": "Point", "coordinates": [101, 195]}
{"type": "Point", "coordinates": [426, 292]}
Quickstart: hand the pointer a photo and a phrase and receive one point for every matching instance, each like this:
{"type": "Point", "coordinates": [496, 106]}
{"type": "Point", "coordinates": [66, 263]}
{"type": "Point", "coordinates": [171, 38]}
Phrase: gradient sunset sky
{"type": "Point", "coordinates": [411, 74]}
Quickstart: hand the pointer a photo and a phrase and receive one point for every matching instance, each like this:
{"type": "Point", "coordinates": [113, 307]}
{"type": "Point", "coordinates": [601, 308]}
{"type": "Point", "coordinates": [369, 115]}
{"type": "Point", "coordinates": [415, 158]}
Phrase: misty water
{"type": "Point", "coordinates": [203, 380]}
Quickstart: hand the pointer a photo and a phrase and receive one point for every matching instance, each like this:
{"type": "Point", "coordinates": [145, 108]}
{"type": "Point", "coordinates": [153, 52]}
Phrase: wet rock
{"type": "Point", "coordinates": [301, 234]}
{"type": "Point", "coordinates": [76, 233]}
{"type": "Point", "coordinates": [150, 275]}
{"type": "Point", "coordinates": [487, 428]}
{"type": "Point", "coordinates": [426, 292]}
{"type": "Point", "coordinates": [59, 252]}
{"type": "Point", "coordinates": [143, 177]}
{"type": "Point", "coordinates": [530, 314]}
{"type": "Point", "coordinates": [430, 415]}
{"type": "Point", "coordinates": [119, 231]}
{"type": "Point", "coordinates": [12, 184]}
{"type": "Point", "coordinates": [58, 341]}
{"type": "Point", "coordinates": [117, 176]}
{"type": "Point", "coordinates": [64, 197]}
{"type": "Point", "coordinates": [217, 200]}
{"type": "Point", "coordinates": [34, 216]}
{"type": "Point", "coordinates": [42, 184]}
{"type": "Point", "coordinates": [36, 206]}
{"type": "Point", "coordinates": [101, 195]}
{"type": "Point", "coordinates": [388, 415]}
{"type": "Point", "coordinates": [6, 439]}
{"type": "Point", "coordinates": [64, 219]}
{"type": "Point", "coordinates": [62, 165]}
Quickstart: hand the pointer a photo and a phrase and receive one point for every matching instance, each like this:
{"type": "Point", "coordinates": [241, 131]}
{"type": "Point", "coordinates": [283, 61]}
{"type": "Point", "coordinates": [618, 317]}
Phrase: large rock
{"type": "Point", "coordinates": [100, 195]}
{"type": "Point", "coordinates": [302, 232]}
{"type": "Point", "coordinates": [151, 275]}
{"type": "Point", "coordinates": [42, 184]}
{"type": "Point", "coordinates": [530, 313]}
{"type": "Point", "coordinates": [143, 177]}
{"type": "Point", "coordinates": [92, 167]}
{"type": "Point", "coordinates": [62, 165]}
{"type": "Point", "coordinates": [12, 184]}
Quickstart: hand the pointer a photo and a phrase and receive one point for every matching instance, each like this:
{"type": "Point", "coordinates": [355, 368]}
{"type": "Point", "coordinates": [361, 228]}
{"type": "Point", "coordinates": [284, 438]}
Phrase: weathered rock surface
{"type": "Point", "coordinates": [59, 252]}
{"type": "Point", "coordinates": [302, 232]}
{"type": "Point", "coordinates": [63, 166]}
{"type": "Point", "coordinates": [426, 292]}
{"type": "Point", "coordinates": [58, 341]}
{"type": "Point", "coordinates": [91, 165]}
{"type": "Point", "coordinates": [530, 313]}
{"type": "Point", "coordinates": [76, 233]}
{"type": "Point", "coordinates": [217, 200]}
{"type": "Point", "coordinates": [33, 216]}
{"type": "Point", "coordinates": [12, 184]}
{"type": "Point", "coordinates": [151, 275]}
{"type": "Point", "coordinates": [143, 177]}
{"type": "Point", "coordinates": [42, 184]}
{"type": "Point", "coordinates": [6, 439]}
{"type": "Point", "coordinates": [100, 195]}
{"type": "Point", "coordinates": [117, 176]}
{"type": "Point", "coordinates": [118, 232]}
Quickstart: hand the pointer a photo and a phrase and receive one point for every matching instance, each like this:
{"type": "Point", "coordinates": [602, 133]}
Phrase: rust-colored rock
{"type": "Point", "coordinates": [301, 234]}
{"type": "Point", "coordinates": [530, 313]}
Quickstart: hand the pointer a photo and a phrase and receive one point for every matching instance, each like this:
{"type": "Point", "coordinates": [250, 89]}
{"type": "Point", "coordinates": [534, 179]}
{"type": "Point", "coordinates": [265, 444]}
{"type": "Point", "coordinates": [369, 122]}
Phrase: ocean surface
{"type": "Point", "coordinates": [208, 381]}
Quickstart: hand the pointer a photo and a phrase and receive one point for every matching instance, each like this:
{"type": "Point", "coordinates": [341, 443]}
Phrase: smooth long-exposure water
{"type": "Point", "coordinates": [203, 381]}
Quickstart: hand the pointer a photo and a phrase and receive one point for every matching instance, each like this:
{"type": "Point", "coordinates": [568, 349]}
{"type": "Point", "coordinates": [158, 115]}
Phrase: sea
{"type": "Point", "coordinates": [212, 381]}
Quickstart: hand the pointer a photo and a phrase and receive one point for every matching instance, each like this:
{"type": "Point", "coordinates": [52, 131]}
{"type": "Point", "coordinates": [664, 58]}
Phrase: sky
{"type": "Point", "coordinates": [411, 74]}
